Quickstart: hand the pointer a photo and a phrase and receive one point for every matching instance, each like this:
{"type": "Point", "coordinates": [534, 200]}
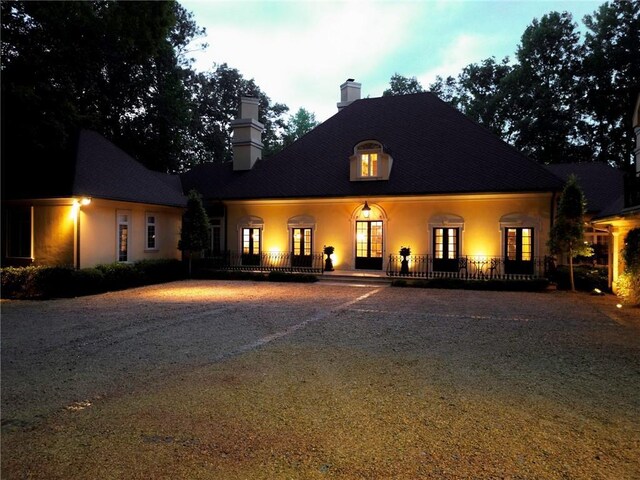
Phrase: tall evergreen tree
{"type": "Point", "coordinates": [567, 232]}
{"type": "Point", "coordinates": [195, 231]}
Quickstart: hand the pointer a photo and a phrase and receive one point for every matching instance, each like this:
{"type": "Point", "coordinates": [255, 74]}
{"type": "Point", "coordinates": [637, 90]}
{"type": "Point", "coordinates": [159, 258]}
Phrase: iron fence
{"type": "Point", "coordinates": [265, 262]}
{"type": "Point", "coordinates": [468, 267]}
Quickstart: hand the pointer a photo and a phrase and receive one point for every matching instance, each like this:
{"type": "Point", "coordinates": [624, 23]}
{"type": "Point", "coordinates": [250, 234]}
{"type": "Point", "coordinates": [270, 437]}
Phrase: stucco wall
{"type": "Point", "coordinates": [98, 232]}
{"type": "Point", "coordinates": [406, 222]}
{"type": "Point", "coordinates": [53, 235]}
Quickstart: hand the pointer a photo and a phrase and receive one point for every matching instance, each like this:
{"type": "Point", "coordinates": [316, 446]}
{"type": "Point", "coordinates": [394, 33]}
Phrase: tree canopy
{"type": "Point", "coordinates": [563, 98]}
{"type": "Point", "coordinates": [122, 69]}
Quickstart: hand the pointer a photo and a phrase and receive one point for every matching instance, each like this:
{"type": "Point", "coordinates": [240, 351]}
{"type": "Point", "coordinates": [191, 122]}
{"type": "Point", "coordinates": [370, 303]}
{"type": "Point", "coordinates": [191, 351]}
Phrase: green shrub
{"type": "Point", "coordinates": [52, 282]}
{"type": "Point", "coordinates": [55, 282]}
{"type": "Point", "coordinates": [15, 281]}
{"type": "Point", "coordinates": [586, 278]}
{"type": "Point", "coordinates": [628, 288]}
{"type": "Point", "coordinates": [88, 281]}
{"type": "Point", "coordinates": [160, 271]}
{"type": "Point", "coordinates": [118, 276]}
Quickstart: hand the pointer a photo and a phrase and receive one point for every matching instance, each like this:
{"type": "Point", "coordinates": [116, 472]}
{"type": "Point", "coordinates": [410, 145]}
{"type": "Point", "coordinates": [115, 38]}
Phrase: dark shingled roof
{"type": "Point", "coordinates": [603, 186]}
{"type": "Point", "coordinates": [435, 149]}
{"type": "Point", "coordinates": [105, 171]}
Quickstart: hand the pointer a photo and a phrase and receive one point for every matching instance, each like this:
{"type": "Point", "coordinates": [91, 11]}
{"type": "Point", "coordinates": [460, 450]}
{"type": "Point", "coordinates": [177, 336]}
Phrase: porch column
{"type": "Point", "coordinates": [615, 258]}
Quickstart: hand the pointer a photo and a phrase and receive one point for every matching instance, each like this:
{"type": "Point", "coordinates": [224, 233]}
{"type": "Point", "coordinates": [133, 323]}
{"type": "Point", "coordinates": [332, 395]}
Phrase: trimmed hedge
{"type": "Point", "coordinates": [535, 285]}
{"type": "Point", "coordinates": [57, 282]}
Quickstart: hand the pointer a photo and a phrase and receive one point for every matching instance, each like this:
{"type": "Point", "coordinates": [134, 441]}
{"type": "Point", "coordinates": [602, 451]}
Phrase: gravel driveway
{"type": "Point", "coordinates": [205, 379]}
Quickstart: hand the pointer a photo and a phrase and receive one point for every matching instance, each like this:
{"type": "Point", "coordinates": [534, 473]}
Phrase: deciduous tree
{"type": "Point", "coordinates": [612, 79]}
{"type": "Point", "coordinates": [400, 85]}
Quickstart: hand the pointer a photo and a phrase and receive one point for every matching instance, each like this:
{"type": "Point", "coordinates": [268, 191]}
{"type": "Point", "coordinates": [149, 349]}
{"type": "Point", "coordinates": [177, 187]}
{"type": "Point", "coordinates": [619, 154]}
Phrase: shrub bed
{"type": "Point", "coordinates": [56, 282]}
{"type": "Point", "coordinates": [535, 285]}
{"type": "Point", "coordinates": [586, 278]}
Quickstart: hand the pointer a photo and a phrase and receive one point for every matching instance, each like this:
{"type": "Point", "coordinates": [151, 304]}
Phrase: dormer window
{"type": "Point", "coordinates": [370, 162]}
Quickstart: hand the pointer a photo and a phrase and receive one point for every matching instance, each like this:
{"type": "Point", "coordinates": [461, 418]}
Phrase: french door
{"type": "Point", "coordinates": [446, 245]}
{"type": "Point", "coordinates": [518, 253]}
{"type": "Point", "coordinates": [251, 246]}
{"type": "Point", "coordinates": [301, 242]}
{"type": "Point", "coordinates": [369, 245]}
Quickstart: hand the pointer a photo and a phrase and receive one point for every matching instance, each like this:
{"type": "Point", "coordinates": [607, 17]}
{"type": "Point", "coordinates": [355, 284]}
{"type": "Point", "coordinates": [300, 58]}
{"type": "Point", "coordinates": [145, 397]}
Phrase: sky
{"type": "Point", "coordinates": [300, 52]}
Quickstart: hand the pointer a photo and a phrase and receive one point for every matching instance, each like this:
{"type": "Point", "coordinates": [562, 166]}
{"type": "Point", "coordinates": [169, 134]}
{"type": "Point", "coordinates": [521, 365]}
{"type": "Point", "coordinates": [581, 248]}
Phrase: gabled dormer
{"type": "Point", "coordinates": [370, 162]}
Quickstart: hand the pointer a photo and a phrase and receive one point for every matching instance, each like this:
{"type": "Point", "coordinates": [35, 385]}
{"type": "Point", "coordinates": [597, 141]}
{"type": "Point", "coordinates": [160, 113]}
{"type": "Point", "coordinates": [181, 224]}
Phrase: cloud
{"type": "Point", "coordinates": [302, 55]}
{"type": "Point", "coordinates": [463, 50]}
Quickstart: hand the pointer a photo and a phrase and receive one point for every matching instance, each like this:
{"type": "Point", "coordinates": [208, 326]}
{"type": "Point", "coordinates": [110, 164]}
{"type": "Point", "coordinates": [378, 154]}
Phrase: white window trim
{"type": "Point", "coordinates": [446, 221]}
{"type": "Point", "coordinates": [520, 220]}
{"type": "Point", "coordinates": [301, 221]}
{"type": "Point", "coordinates": [250, 222]}
{"type": "Point", "coordinates": [128, 224]}
{"type": "Point", "coordinates": [155, 248]}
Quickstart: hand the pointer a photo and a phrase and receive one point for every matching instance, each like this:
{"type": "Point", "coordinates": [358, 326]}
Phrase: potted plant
{"type": "Point", "coordinates": [404, 265]}
{"type": "Point", "coordinates": [328, 264]}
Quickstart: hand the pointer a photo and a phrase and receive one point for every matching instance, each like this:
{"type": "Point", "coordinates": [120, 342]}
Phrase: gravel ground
{"type": "Point", "coordinates": [228, 380]}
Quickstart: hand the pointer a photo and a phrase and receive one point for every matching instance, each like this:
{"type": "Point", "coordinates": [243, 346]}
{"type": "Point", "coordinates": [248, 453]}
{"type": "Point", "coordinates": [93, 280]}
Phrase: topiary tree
{"type": "Point", "coordinates": [567, 233]}
{"type": "Point", "coordinates": [194, 234]}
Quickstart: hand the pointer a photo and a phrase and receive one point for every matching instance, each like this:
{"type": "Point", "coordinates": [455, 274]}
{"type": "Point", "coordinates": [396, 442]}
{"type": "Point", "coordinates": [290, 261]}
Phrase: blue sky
{"type": "Point", "coordinates": [299, 52]}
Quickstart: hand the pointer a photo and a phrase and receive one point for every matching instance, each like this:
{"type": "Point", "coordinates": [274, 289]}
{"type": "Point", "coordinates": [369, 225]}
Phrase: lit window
{"type": "Point", "coordinates": [151, 232]}
{"type": "Point", "coordinates": [368, 157]}
{"type": "Point", "coordinates": [123, 237]}
{"type": "Point", "coordinates": [519, 244]}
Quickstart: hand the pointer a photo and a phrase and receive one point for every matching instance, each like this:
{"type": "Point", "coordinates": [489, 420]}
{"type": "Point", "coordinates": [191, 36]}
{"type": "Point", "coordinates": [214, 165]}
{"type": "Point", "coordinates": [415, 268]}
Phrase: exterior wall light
{"type": "Point", "coordinates": [366, 210]}
{"type": "Point", "coordinates": [84, 201]}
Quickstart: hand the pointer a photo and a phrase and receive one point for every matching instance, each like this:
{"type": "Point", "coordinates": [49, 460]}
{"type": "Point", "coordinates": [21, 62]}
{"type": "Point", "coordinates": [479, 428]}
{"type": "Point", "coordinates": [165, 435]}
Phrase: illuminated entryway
{"type": "Point", "coordinates": [369, 245]}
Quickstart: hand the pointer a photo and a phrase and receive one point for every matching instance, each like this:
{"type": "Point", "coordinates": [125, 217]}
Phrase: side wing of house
{"type": "Point", "coordinates": [117, 211]}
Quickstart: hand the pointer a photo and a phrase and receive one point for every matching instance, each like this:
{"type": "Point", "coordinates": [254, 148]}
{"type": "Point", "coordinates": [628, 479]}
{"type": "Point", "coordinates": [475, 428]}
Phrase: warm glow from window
{"type": "Point", "coordinates": [369, 165]}
{"type": "Point", "coordinates": [526, 245]}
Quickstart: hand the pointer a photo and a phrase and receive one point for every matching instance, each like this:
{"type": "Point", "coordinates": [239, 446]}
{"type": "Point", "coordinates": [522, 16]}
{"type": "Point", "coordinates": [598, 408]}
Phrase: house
{"type": "Point", "coordinates": [107, 208]}
{"type": "Point", "coordinates": [622, 216]}
{"type": "Point", "coordinates": [381, 174]}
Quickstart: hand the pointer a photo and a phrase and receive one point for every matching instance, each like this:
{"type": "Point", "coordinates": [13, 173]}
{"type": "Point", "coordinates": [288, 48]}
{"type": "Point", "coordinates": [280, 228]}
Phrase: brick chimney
{"type": "Point", "coordinates": [349, 92]}
{"type": "Point", "coordinates": [247, 135]}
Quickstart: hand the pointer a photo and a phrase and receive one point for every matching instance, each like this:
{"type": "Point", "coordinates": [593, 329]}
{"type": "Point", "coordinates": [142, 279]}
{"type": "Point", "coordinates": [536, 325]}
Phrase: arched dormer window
{"type": "Point", "coordinates": [369, 162]}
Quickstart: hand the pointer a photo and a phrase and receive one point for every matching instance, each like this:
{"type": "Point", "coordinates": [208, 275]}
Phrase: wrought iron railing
{"type": "Point", "coordinates": [265, 262]}
{"type": "Point", "coordinates": [468, 267]}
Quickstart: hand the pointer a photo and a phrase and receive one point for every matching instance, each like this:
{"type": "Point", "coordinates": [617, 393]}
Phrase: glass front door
{"type": "Point", "coordinates": [369, 245]}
